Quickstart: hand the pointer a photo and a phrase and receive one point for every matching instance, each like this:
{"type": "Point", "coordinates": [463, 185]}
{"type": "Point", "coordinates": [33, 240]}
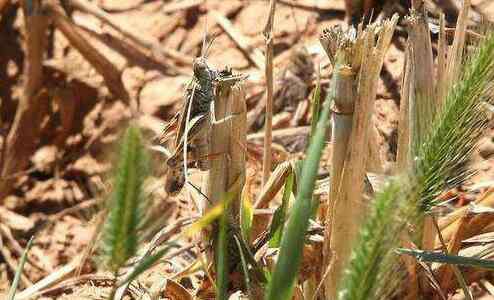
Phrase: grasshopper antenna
{"type": "Point", "coordinates": [205, 46]}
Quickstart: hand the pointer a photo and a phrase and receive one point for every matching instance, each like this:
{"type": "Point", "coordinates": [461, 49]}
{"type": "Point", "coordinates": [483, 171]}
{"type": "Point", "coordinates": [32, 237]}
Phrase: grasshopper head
{"type": "Point", "coordinates": [201, 69]}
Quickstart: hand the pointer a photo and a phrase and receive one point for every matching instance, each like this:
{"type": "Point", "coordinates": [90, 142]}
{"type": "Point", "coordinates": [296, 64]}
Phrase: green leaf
{"type": "Point", "coordinates": [315, 107]}
{"type": "Point", "coordinates": [147, 262]}
{"type": "Point", "coordinates": [438, 257]}
{"type": "Point", "coordinates": [208, 218]}
{"type": "Point", "coordinates": [222, 260]}
{"type": "Point", "coordinates": [18, 272]}
{"type": "Point", "coordinates": [292, 242]}
{"type": "Point", "coordinates": [276, 229]}
{"type": "Point", "coordinates": [245, 268]}
{"type": "Point", "coordinates": [247, 214]}
{"type": "Point", "coordinates": [224, 238]}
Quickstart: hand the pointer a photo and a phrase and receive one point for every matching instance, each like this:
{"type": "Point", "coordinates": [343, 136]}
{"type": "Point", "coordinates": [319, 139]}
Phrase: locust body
{"type": "Point", "coordinates": [195, 122]}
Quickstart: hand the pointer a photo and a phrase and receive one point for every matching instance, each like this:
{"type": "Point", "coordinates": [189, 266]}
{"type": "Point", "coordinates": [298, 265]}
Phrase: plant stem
{"type": "Point", "coordinates": [268, 34]}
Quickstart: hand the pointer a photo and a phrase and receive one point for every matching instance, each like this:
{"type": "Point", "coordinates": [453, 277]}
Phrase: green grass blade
{"type": "Point", "coordinates": [292, 242]}
{"type": "Point", "coordinates": [221, 242]}
{"type": "Point", "coordinates": [127, 203]}
{"type": "Point", "coordinates": [222, 258]}
{"type": "Point", "coordinates": [208, 218]}
{"type": "Point", "coordinates": [276, 230]}
{"type": "Point", "coordinates": [18, 272]}
{"type": "Point", "coordinates": [146, 263]}
{"type": "Point", "coordinates": [315, 107]}
{"type": "Point", "coordinates": [246, 215]}
{"type": "Point", "coordinates": [245, 269]}
{"type": "Point", "coordinates": [438, 257]}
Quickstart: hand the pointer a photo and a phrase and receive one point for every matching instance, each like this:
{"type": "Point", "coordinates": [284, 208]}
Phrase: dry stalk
{"type": "Point", "coordinates": [50, 280]}
{"type": "Point", "coordinates": [412, 291]}
{"type": "Point", "coordinates": [228, 140]}
{"type": "Point", "coordinates": [22, 138]}
{"type": "Point", "coordinates": [269, 191]}
{"type": "Point", "coordinates": [404, 157]}
{"type": "Point", "coordinates": [148, 43]}
{"type": "Point", "coordinates": [451, 220]}
{"type": "Point", "coordinates": [428, 233]}
{"type": "Point", "coordinates": [455, 53]}
{"type": "Point", "coordinates": [110, 73]}
{"type": "Point", "coordinates": [421, 103]}
{"type": "Point", "coordinates": [135, 55]}
{"type": "Point", "coordinates": [442, 49]}
{"type": "Point", "coordinates": [268, 138]}
{"type": "Point", "coordinates": [274, 184]}
{"type": "Point", "coordinates": [225, 146]}
{"type": "Point", "coordinates": [344, 101]}
{"type": "Point", "coordinates": [375, 162]}
{"type": "Point", "coordinates": [476, 225]}
{"type": "Point", "coordinates": [363, 55]}
{"type": "Point", "coordinates": [446, 272]}
{"type": "Point", "coordinates": [421, 107]}
{"type": "Point", "coordinates": [240, 40]}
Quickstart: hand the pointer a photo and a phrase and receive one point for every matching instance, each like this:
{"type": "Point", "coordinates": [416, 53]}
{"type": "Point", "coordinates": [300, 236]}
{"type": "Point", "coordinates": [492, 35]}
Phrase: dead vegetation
{"type": "Point", "coordinates": [75, 73]}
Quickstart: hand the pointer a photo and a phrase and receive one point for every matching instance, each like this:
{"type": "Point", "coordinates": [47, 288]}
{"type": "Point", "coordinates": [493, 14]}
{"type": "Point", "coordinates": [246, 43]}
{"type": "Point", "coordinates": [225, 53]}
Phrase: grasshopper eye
{"type": "Point", "coordinates": [200, 67]}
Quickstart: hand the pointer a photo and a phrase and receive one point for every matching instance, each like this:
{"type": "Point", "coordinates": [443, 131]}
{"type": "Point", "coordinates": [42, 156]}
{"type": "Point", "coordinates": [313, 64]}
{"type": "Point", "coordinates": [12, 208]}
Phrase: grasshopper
{"type": "Point", "coordinates": [194, 122]}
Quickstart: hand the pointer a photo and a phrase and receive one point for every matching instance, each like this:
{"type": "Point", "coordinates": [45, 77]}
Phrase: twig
{"type": "Point", "coordinates": [100, 218]}
{"type": "Point", "coordinates": [226, 176]}
{"type": "Point", "coordinates": [95, 278]}
{"type": "Point", "coordinates": [181, 5]}
{"type": "Point", "coordinates": [486, 199]}
{"type": "Point", "coordinates": [134, 55]}
{"type": "Point", "coordinates": [22, 138]}
{"type": "Point", "coordinates": [15, 221]}
{"type": "Point", "coordinates": [455, 53]}
{"type": "Point", "coordinates": [49, 280]}
{"type": "Point", "coordinates": [404, 157]}
{"type": "Point", "coordinates": [281, 133]}
{"type": "Point", "coordinates": [254, 55]}
{"type": "Point", "coordinates": [110, 73]}
{"type": "Point", "coordinates": [268, 138]}
{"type": "Point", "coordinates": [421, 104]}
{"type": "Point", "coordinates": [454, 246]}
{"type": "Point", "coordinates": [325, 6]}
{"type": "Point", "coordinates": [274, 184]}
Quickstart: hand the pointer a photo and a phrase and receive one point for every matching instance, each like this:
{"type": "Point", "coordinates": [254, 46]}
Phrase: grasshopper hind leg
{"type": "Point", "coordinates": [201, 153]}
